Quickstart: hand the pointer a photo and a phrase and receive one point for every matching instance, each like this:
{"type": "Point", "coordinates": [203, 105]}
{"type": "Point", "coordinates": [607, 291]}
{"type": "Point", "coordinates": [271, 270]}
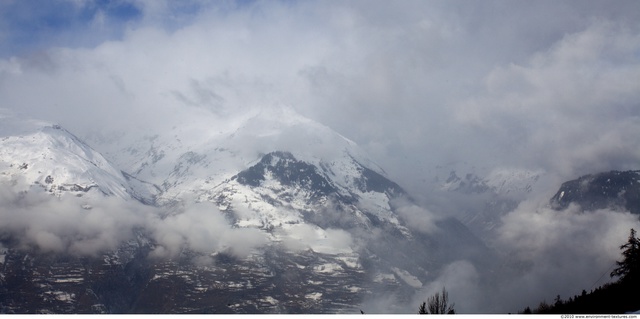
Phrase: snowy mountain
{"type": "Point", "coordinates": [333, 229]}
{"type": "Point", "coordinates": [282, 189]}
{"type": "Point", "coordinates": [470, 184]}
{"type": "Point", "coordinates": [210, 150]}
{"type": "Point", "coordinates": [512, 182]}
{"type": "Point", "coordinates": [482, 197]}
{"type": "Point", "coordinates": [36, 154]}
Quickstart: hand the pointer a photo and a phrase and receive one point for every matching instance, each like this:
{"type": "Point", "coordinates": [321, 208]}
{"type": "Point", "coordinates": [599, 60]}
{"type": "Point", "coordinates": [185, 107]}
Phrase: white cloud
{"type": "Point", "coordinates": [300, 237]}
{"type": "Point", "coordinates": [61, 224]}
{"type": "Point", "coordinates": [537, 85]}
{"type": "Point", "coordinates": [572, 109]}
{"type": "Point", "coordinates": [558, 252]}
{"type": "Point", "coordinates": [417, 84]}
{"type": "Point", "coordinates": [461, 281]}
{"type": "Point", "coordinates": [417, 218]}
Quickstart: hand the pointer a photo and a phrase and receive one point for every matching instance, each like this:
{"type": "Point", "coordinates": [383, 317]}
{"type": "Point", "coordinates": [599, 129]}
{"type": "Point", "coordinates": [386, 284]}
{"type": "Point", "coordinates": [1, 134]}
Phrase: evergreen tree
{"type": "Point", "coordinates": [629, 267]}
{"type": "Point", "coordinates": [558, 301]}
{"type": "Point", "coordinates": [543, 307]}
{"type": "Point", "coordinates": [422, 310]}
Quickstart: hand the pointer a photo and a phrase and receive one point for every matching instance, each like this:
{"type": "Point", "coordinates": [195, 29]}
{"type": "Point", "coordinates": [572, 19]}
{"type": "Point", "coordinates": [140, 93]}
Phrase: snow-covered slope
{"type": "Point", "coordinates": [298, 181]}
{"type": "Point", "coordinates": [482, 197]}
{"type": "Point", "coordinates": [281, 191]}
{"type": "Point", "coordinates": [328, 214]}
{"type": "Point", "coordinates": [196, 158]}
{"type": "Point", "coordinates": [513, 181]}
{"type": "Point", "coordinates": [501, 181]}
{"type": "Point", "coordinates": [43, 155]}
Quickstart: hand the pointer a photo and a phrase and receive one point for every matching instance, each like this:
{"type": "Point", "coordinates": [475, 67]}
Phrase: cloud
{"type": "Point", "coordinates": [81, 226]}
{"type": "Point", "coordinates": [543, 253]}
{"type": "Point", "coordinates": [416, 85]}
{"type": "Point", "coordinates": [69, 224]}
{"type": "Point", "coordinates": [543, 85]}
{"type": "Point", "coordinates": [201, 227]}
{"type": "Point", "coordinates": [460, 279]}
{"type": "Point", "coordinates": [51, 224]}
{"type": "Point", "coordinates": [462, 282]}
{"type": "Point", "coordinates": [557, 252]}
{"type": "Point", "coordinates": [571, 109]}
{"type": "Point", "coordinates": [418, 218]}
{"type": "Point", "coordinates": [302, 237]}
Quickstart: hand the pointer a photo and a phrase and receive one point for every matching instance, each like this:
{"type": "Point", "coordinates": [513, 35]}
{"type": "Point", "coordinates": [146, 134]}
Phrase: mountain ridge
{"type": "Point", "coordinates": [37, 153]}
{"type": "Point", "coordinates": [619, 190]}
{"type": "Point", "coordinates": [300, 200]}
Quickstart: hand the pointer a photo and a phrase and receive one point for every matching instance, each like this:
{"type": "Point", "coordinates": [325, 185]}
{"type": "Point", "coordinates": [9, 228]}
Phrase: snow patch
{"type": "Point", "coordinates": [328, 268]}
{"type": "Point", "coordinates": [512, 180]}
{"type": "Point", "coordinates": [382, 277]}
{"type": "Point", "coordinates": [314, 296]}
{"type": "Point", "coordinates": [269, 300]}
{"type": "Point", "coordinates": [350, 261]}
{"type": "Point", "coordinates": [62, 296]}
{"type": "Point", "coordinates": [68, 280]}
{"type": "Point", "coordinates": [353, 289]}
{"type": "Point", "coordinates": [408, 278]}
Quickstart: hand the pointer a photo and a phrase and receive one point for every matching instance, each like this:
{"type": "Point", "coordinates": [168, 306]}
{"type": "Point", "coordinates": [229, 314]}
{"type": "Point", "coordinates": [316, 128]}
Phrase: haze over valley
{"type": "Point", "coordinates": [314, 157]}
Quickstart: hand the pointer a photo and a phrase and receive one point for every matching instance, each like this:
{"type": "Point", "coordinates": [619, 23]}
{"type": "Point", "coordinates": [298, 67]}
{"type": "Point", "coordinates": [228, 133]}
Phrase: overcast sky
{"type": "Point", "coordinates": [550, 85]}
{"type": "Point", "coordinates": [540, 85]}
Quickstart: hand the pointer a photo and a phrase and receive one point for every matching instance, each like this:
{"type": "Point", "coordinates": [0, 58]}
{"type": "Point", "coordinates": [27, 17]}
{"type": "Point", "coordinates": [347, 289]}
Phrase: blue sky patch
{"type": "Point", "coordinates": [31, 25]}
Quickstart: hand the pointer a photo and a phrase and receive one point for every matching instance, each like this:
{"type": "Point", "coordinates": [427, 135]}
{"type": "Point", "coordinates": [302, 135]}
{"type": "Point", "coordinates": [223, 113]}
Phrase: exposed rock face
{"type": "Point", "coordinates": [614, 189]}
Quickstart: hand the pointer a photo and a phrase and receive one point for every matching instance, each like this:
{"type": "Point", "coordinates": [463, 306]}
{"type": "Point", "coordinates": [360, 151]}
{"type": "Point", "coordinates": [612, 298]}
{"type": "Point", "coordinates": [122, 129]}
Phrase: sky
{"type": "Point", "coordinates": [550, 86]}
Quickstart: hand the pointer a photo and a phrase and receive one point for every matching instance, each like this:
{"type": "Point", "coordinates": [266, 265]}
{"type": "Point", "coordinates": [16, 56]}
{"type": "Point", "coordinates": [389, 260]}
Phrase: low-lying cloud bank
{"type": "Point", "coordinates": [542, 253]}
{"type": "Point", "coordinates": [69, 224]}
{"type": "Point", "coordinates": [559, 252]}
{"type": "Point", "coordinates": [545, 253]}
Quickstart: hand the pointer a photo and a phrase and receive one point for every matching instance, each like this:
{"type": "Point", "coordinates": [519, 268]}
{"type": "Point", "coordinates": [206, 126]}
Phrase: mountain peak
{"type": "Point", "coordinates": [318, 208]}
{"type": "Point", "coordinates": [197, 157]}
{"type": "Point", "coordinates": [46, 155]}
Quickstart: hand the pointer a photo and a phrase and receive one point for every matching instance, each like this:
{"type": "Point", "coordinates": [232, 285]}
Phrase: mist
{"type": "Point", "coordinates": [72, 225]}
{"type": "Point", "coordinates": [562, 251]}
{"type": "Point", "coordinates": [542, 253]}
{"type": "Point", "coordinates": [416, 85]}
{"type": "Point", "coordinates": [422, 87]}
